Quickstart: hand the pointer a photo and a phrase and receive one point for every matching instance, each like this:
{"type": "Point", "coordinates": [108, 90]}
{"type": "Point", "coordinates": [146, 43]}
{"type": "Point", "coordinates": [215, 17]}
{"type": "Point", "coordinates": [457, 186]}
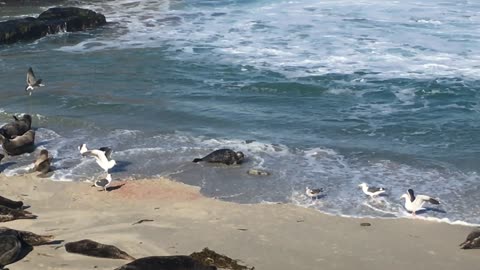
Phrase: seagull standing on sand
{"type": "Point", "coordinates": [32, 82]}
{"type": "Point", "coordinates": [414, 203]}
{"type": "Point", "coordinates": [313, 193]}
{"type": "Point", "coordinates": [103, 156]}
{"type": "Point", "coordinates": [371, 191]}
{"type": "Point", "coordinates": [104, 183]}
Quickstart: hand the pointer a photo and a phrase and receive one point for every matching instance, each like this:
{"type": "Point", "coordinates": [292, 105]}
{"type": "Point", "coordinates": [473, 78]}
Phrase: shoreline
{"type": "Point", "coordinates": [265, 236]}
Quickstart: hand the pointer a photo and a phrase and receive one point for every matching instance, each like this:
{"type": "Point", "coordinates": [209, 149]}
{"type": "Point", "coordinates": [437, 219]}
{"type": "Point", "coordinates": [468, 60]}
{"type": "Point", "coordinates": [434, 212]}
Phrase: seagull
{"type": "Point", "coordinates": [103, 156]}
{"type": "Point", "coordinates": [313, 193]}
{"type": "Point", "coordinates": [414, 203]}
{"type": "Point", "coordinates": [104, 183]}
{"type": "Point", "coordinates": [32, 82]}
{"type": "Point", "coordinates": [371, 191]}
{"type": "Point", "coordinates": [472, 241]}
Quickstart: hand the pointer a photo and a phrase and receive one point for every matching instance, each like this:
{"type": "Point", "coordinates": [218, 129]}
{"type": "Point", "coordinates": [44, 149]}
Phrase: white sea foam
{"type": "Point", "coordinates": [327, 37]}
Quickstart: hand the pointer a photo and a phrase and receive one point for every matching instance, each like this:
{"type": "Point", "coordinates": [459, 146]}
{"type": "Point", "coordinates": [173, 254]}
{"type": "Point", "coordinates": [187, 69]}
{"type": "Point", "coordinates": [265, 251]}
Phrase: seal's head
{"type": "Point", "coordinates": [239, 156]}
{"type": "Point", "coordinates": [27, 118]}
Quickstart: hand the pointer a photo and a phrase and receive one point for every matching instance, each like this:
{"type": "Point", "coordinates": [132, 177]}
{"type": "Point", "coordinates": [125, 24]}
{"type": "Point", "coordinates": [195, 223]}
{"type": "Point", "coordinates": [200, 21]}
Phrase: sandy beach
{"type": "Point", "coordinates": [264, 236]}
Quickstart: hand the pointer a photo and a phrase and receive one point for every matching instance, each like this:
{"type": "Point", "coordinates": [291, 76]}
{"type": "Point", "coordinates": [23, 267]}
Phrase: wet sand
{"type": "Point", "coordinates": [279, 236]}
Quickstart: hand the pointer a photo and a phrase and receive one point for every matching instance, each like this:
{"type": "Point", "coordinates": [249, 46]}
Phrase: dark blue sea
{"type": "Point", "coordinates": [320, 93]}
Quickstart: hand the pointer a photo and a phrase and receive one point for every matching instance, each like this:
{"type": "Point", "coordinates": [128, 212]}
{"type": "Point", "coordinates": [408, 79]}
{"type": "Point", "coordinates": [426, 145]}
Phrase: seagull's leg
{"type": "Point", "coordinates": [413, 213]}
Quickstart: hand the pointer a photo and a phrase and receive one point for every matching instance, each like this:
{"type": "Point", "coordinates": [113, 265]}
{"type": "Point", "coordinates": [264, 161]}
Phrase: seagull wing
{"type": "Point", "coordinates": [101, 183]}
{"type": "Point", "coordinates": [425, 198]}
{"type": "Point", "coordinates": [375, 189]}
{"type": "Point", "coordinates": [99, 155]}
{"type": "Point", "coordinates": [108, 152]}
{"type": "Point", "coordinates": [31, 80]}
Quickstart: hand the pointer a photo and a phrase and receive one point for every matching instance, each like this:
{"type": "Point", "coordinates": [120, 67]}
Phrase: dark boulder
{"type": "Point", "coordinates": [52, 21]}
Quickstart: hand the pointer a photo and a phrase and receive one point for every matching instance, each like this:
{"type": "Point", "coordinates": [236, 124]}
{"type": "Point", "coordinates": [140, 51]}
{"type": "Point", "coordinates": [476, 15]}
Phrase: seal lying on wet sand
{"type": "Point", "coordinates": [15, 244]}
{"type": "Point", "coordinates": [166, 263]}
{"type": "Point", "coordinates": [225, 156]}
{"type": "Point", "coordinates": [9, 214]}
{"type": "Point", "coordinates": [18, 127]}
{"type": "Point", "coordinates": [95, 249]}
{"type": "Point", "coordinates": [20, 144]}
{"type": "Point", "coordinates": [10, 204]}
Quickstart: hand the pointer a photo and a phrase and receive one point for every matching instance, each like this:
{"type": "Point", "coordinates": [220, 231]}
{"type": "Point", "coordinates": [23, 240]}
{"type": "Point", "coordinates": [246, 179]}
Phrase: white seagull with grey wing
{"type": "Point", "coordinates": [415, 203]}
{"type": "Point", "coordinates": [32, 82]}
{"type": "Point", "coordinates": [104, 183]}
{"type": "Point", "coordinates": [371, 191]}
{"type": "Point", "coordinates": [103, 156]}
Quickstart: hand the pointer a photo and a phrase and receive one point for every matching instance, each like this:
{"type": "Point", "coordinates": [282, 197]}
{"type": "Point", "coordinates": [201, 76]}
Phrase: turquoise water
{"type": "Point", "coordinates": [323, 94]}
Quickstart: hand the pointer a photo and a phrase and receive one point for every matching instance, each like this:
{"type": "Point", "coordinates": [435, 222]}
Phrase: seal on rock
{"type": "Point", "coordinates": [42, 163]}
{"type": "Point", "coordinates": [19, 145]}
{"type": "Point", "coordinates": [18, 127]}
{"type": "Point", "coordinates": [225, 156]}
{"type": "Point", "coordinates": [9, 214]}
{"type": "Point", "coordinates": [14, 244]}
{"type": "Point", "coordinates": [95, 249]}
{"type": "Point", "coordinates": [166, 263]}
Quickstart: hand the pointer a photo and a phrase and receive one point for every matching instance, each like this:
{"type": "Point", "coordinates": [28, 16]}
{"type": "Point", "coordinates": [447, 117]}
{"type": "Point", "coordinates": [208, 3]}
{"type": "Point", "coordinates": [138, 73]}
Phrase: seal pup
{"type": "Point", "coordinates": [20, 144]}
{"type": "Point", "coordinates": [415, 203]}
{"type": "Point", "coordinates": [313, 193]}
{"type": "Point", "coordinates": [180, 262]}
{"type": "Point", "coordinates": [103, 156]}
{"type": "Point", "coordinates": [13, 243]}
{"type": "Point", "coordinates": [104, 182]}
{"type": "Point", "coordinates": [42, 163]}
{"type": "Point", "coordinates": [472, 241]}
{"type": "Point", "coordinates": [371, 191]}
{"type": "Point", "coordinates": [258, 172]}
{"type": "Point", "coordinates": [9, 214]}
{"type": "Point", "coordinates": [10, 204]}
{"type": "Point", "coordinates": [225, 156]}
{"type": "Point", "coordinates": [32, 82]}
{"type": "Point", "coordinates": [18, 127]}
{"type": "Point", "coordinates": [91, 248]}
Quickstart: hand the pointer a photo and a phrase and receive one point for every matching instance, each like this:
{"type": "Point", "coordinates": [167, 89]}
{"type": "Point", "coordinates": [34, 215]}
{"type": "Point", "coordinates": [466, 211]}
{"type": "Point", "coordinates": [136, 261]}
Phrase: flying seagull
{"type": "Point", "coordinates": [103, 156]}
{"type": "Point", "coordinates": [313, 193]}
{"type": "Point", "coordinates": [371, 191]}
{"type": "Point", "coordinates": [414, 203]}
{"type": "Point", "coordinates": [32, 82]}
{"type": "Point", "coordinates": [104, 183]}
{"type": "Point", "coordinates": [472, 241]}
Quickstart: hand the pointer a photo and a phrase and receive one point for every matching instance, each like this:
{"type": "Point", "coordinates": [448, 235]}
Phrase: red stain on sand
{"type": "Point", "coordinates": [152, 190]}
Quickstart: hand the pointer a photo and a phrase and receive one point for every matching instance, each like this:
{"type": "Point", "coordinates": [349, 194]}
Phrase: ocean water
{"type": "Point", "coordinates": [320, 93]}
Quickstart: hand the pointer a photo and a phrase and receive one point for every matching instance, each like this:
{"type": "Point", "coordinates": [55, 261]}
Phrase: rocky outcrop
{"type": "Point", "coordinates": [52, 21]}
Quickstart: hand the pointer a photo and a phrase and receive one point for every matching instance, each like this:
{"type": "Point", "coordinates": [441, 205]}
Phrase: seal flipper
{"type": "Point", "coordinates": [197, 160]}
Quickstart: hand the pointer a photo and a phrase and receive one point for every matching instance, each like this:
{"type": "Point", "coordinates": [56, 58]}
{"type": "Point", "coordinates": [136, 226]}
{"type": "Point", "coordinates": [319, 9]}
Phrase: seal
{"type": "Point", "coordinates": [20, 144]}
{"type": "Point", "coordinates": [9, 214]}
{"type": "Point", "coordinates": [258, 172]}
{"type": "Point", "coordinates": [18, 127]}
{"type": "Point", "coordinates": [225, 156]}
{"type": "Point", "coordinates": [42, 163]}
{"type": "Point", "coordinates": [10, 204]}
{"type": "Point", "coordinates": [91, 248]}
{"type": "Point", "coordinates": [14, 244]}
{"type": "Point", "coordinates": [472, 241]}
{"type": "Point", "coordinates": [166, 263]}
